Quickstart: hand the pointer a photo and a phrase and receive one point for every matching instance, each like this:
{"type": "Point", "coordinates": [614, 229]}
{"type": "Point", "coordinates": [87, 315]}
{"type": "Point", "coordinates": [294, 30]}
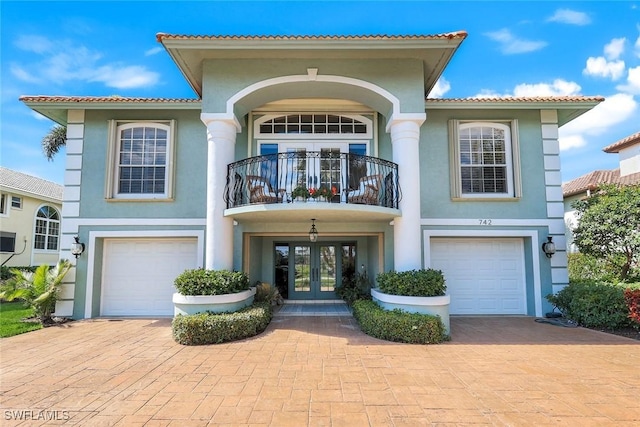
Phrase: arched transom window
{"type": "Point", "coordinates": [313, 124]}
{"type": "Point", "coordinates": [47, 230]}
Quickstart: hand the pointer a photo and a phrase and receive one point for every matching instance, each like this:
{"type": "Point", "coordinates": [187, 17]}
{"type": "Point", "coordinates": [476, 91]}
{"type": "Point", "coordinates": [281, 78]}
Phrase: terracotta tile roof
{"type": "Point", "coordinates": [514, 99]}
{"type": "Point", "coordinates": [453, 35]}
{"type": "Point", "coordinates": [14, 180]}
{"type": "Point", "coordinates": [105, 99]}
{"type": "Point", "coordinates": [623, 143]}
{"type": "Point", "coordinates": [592, 180]}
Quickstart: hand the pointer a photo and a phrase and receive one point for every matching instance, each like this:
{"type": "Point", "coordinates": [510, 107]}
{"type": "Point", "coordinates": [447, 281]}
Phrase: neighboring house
{"type": "Point", "coordinates": [154, 186]}
{"type": "Point", "coordinates": [30, 214]}
{"type": "Point", "coordinates": [628, 173]}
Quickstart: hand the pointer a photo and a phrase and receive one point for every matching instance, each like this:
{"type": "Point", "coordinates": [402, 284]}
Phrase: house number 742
{"type": "Point", "coordinates": [485, 221]}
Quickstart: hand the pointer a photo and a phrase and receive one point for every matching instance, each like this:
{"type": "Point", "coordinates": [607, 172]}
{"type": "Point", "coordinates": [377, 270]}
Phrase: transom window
{"type": "Point", "coordinates": [483, 154]}
{"type": "Point", "coordinates": [141, 161]}
{"type": "Point", "coordinates": [313, 124]}
{"type": "Point", "coordinates": [47, 229]}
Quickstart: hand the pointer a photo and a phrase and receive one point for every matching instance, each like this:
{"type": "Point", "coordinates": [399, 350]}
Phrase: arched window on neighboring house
{"type": "Point", "coordinates": [47, 230]}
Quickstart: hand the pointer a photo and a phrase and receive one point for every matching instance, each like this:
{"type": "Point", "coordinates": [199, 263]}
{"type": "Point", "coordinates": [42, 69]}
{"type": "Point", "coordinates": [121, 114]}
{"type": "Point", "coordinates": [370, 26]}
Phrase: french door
{"type": "Point", "coordinates": [325, 170]}
{"type": "Point", "coordinates": [314, 270]}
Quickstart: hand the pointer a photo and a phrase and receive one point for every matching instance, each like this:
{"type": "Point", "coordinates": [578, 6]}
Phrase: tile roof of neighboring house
{"type": "Point", "coordinates": [623, 143]}
{"type": "Point", "coordinates": [592, 180]}
{"type": "Point", "coordinates": [13, 180]}
{"type": "Point", "coordinates": [453, 35]}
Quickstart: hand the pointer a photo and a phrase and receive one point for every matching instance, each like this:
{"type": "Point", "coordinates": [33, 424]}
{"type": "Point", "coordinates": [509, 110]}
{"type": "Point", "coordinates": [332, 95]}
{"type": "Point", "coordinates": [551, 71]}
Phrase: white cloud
{"type": "Point", "coordinates": [510, 44]}
{"type": "Point", "coordinates": [441, 87]}
{"type": "Point", "coordinates": [614, 110]}
{"type": "Point", "coordinates": [489, 93]}
{"type": "Point", "coordinates": [34, 43]}
{"type": "Point", "coordinates": [614, 48]}
{"type": "Point", "coordinates": [559, 87]}
{"type": "Point", "coordinates": [633, 81]}
{"type": "Point", "coordinates": [568, 16]}
{"type": "Point", "coordinates": [153, 51]}
{"type": "Point", "coordinates": [23, 75]}
{"type": "Point", "coordinates": [65, 61]}
{"type": "Point", "coordinates": [600, 67]}
{"type": "Point", "coordinates": [124, 77]}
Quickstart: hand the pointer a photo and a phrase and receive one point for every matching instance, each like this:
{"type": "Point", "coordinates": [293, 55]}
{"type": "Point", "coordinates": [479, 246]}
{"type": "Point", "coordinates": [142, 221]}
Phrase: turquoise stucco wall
{"type": "Point", "coordinates": [190, 167]}
{"type": "Point", "coordinates": [225, 77]}
{"type": "Point", "coordinates": [434, 160]}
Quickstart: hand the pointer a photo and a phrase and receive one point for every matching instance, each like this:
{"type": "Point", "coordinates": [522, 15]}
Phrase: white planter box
{"type": "Point", "coordinates": [436, 306]}
{"type": "Point", "coordinates": [192, 304]}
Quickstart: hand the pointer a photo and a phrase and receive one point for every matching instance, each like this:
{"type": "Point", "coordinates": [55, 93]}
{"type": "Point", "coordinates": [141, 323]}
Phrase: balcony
{"type": "Point", "coordinates": [286, 186]}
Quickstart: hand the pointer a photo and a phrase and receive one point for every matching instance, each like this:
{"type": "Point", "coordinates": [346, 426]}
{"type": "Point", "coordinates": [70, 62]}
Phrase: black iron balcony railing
{"type": "Point", "coordinates": [312, 176]}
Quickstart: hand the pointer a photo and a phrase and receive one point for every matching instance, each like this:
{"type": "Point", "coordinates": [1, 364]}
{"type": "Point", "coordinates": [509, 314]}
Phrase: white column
{"type": "Point", "coordinates": [407, 247]}
{"type": "Point", "coordinates": [221, 139]}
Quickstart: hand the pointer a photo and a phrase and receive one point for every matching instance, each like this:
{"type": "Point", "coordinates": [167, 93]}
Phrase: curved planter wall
{"type": "Point", "coordinates": [437, 306]}
{"type": "Point", "coordinates": [192, 304]}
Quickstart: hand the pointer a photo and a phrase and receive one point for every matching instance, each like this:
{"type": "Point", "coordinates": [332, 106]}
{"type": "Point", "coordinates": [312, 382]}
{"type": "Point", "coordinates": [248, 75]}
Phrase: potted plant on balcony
{"type": "Point", "coordinates": [415, 291]}
{"type": "Point", "coordinates": [300, 193]}
{"type": "Point", "coordinates": [215, 291]}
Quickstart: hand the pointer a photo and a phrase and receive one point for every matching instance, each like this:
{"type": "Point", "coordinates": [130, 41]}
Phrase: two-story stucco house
{"type": "Point", "coordinates": [468, 186]}
{"type": "Point", "coordinates": [30, 213]}
{"type": "Point", "coordinates": [628, 150]}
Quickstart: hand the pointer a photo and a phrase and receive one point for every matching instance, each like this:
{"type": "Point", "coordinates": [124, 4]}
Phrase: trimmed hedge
{"type": "Point", "coordinates": [413, 283]}
{"type": "Point", "coordinates": [216, 328]}
{"type": "Point", "coordinates": [595, 304]}
{"type": "Point", "coordinates": [211, 282]}
{"type": "Point", "coordinates": [397, 325]}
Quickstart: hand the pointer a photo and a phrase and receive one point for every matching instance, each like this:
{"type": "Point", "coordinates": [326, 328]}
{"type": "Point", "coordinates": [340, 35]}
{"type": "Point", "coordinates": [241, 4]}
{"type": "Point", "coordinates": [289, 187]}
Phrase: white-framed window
{"type": "Point", "coordinates": [46, 234]}
{"type": "Point", "coordinates": [141, 160]}
{"type": "Point", "coordinates": [313, 125]}
{"type": "Point", "coordinates": [484, 159]}
{"type": "Point", "coordinates": [4, 208]}
{"type": "Point", "coordinates": [16, 202]}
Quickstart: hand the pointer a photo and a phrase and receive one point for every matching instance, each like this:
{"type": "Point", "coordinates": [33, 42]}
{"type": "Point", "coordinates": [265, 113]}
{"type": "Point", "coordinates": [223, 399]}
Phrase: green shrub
{"type": "Point", "coordinates": [211, 282]}
{"type": "Point", "coordinates": [354, 288]}
{"type": "Point", "coordinates": [215, 328]}
{"type": "Point", "coordinates": [594, 304]}
{"type": "Point", "coordinates": [5, 272]}
{"type": "Point", "coordinates": [582, 267]}
{"type": "Point", "coordinates": [415, 283]}
{"type": "Point", "coordinates": [397, 325]}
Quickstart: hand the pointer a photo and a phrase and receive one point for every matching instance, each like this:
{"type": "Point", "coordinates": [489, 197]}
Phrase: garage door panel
{"type": "Point", "coordinates": [483, 275]}
{"type": "Point", "coordinates": [138, 275]}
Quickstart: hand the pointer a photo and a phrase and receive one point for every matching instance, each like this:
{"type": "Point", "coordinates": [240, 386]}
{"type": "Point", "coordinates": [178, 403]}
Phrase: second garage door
{"type": "Point", "coordinates": [483, 275]}
{"type": "Point", "coordinates": [138, 274]}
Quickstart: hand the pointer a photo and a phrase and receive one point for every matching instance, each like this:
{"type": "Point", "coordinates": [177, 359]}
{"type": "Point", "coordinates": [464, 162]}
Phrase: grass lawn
{"type": "Point", "coordinates": [11, 315]}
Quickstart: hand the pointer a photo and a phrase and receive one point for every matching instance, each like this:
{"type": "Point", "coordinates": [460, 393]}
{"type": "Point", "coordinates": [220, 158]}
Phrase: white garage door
{"type": "Point", "coordinates": [483, 275]}
{"type": "Point", "coordinates": [138, 274]}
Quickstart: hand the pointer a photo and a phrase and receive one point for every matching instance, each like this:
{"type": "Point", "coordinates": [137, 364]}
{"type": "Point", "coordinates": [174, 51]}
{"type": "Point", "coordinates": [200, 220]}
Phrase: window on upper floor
{"type": "Point", "coordinates": [141, 160]}
{"type": "Point", "coordinates": [318, 125]}
{"type": "Point", "coordinates": [484, 160]}
{"type": "Point", "coordinates": [16, 202]}
{"type": "Point", "coordinates": [3, 204]}
{"type": "Point", "coordinates": [47, 229]}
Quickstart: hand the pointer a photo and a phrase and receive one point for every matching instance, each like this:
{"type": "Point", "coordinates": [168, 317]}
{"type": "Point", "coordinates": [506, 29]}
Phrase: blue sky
{"type": "Point", "coordinates": [513, 49]}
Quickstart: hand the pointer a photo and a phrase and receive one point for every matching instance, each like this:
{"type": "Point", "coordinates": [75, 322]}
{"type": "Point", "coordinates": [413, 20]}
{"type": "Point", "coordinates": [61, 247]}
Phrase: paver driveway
{"type": "Point", "coordinates": [321, 371]}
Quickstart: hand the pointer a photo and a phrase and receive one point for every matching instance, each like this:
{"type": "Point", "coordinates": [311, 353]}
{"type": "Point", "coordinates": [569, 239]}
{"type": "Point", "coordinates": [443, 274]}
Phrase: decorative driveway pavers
{"type": "Point", "coordinates": [320, 371]}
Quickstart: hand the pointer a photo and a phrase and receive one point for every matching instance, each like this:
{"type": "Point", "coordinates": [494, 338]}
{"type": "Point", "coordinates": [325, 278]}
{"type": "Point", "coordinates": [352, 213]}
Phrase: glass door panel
{"type": "Point", "coordinates": [302, 269]}
{"type": "Point", "coordinates": [313, 270]}
{"type": "Point", "coordinates": [328, 268]}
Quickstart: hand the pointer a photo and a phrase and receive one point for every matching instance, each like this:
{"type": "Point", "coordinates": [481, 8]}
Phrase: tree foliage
{"type": "Point", "coordinates": [54, 140]}
{"type": "Point", "coordinates": [609, 225]}
{"type": "Point", "coordinates": [38, 289]}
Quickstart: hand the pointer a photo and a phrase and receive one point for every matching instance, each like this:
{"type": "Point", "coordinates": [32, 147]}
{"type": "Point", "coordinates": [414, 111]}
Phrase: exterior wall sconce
{"type": "Point", "coordinates": [313, 233]}
{"type": "Point", "coordinates": [77, 248]}
{"type": "Point", "coordinates": [548, 247]}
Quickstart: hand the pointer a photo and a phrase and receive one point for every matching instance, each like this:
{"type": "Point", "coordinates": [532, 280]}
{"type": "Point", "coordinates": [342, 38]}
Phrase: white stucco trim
{"type": "Point", "coordinates": [298, 78]}
{"type": "Point", "coordinates": [71, 225]}
{"type": "Point", "coordinates": [535, 249]}
{"type": "Point", "coordinates": [91, 251]}
{"type": "Point", "coordinates": [490, 222]}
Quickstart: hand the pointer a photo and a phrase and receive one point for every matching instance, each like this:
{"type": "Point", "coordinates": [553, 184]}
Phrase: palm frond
{"type": "Point", "coordinates": [53, 141]}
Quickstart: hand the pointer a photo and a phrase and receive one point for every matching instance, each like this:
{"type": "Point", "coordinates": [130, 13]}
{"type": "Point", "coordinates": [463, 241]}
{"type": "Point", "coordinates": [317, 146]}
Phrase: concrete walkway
{"type": "Point", "coordinates": [320, 371]}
